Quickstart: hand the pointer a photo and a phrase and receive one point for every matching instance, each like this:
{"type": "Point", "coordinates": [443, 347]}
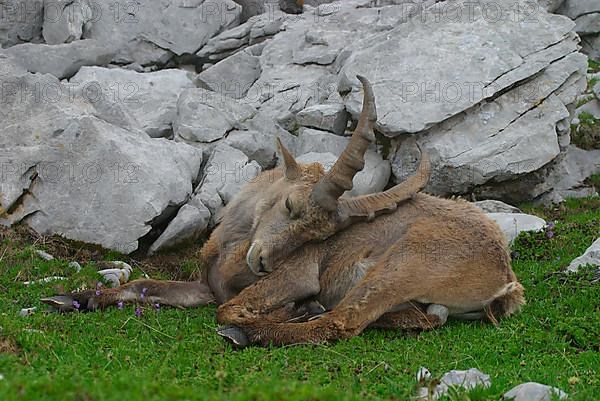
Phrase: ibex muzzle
{"type": "Point", "coordinates": [255, 261]}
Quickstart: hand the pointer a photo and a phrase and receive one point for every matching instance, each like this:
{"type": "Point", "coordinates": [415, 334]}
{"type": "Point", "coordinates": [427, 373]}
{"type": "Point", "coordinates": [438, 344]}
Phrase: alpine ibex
{"type": "Point", "coordinates": [395, 259]}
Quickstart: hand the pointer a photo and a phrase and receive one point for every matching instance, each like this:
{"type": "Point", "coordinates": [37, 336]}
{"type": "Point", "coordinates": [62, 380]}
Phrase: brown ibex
{"type": "Point", "coordinates": [394, 259]}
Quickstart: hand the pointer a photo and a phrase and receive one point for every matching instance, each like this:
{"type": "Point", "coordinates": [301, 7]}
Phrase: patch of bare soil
{"type": "Point", "coordinates": [171, 264]}
{"type": "Point", "coordinates": [180, 264]}
{"type": "Point", "coordinates": [8, 346]}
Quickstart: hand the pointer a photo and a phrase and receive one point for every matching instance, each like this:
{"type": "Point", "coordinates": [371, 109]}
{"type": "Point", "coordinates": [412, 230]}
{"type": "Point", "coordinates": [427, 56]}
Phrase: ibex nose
{"type": "Point", "coordinates": [255, 261]}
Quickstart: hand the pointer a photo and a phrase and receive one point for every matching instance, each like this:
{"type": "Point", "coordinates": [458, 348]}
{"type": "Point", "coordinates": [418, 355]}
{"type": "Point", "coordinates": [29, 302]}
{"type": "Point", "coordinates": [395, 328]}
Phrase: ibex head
{"type": "Point", "coordinates": [305, 204]}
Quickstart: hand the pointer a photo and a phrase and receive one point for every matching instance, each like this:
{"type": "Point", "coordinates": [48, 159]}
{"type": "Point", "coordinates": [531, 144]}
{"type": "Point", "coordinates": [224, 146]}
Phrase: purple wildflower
{"type": "Point", "coordinates": [549, 234]}
{"type": "Point", "coordinates": [76, 305]}
{"type": "Point", "coordinates": [157, 306]}
{"type": "Point", "coordinates": [550, 226]}
{"type": "Point", "coordinates": [138, 311]}
{"type": "Point", "coordinates": [120, 305]}
{"type": "Point", "coordinates": [143, 294]}
{"type": "Point", "coordinates": [98, 292]}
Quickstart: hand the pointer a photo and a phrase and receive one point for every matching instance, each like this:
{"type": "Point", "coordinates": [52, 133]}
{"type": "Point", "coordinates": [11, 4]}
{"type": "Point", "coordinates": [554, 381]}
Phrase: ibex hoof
{"type": "Point", "coordinates": [76, 301]}
{"type": "Point", "coordinates": [234, 335]}
{"type": "Point", "coordinates": [61, 303]}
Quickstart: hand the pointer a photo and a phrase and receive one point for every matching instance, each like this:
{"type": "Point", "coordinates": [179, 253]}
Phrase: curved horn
{"type": "Point", "coordinates": [290, 166]}
{"type": "Point", "coordinates": [369, 206]}
{"type": "Point", "coordinates": [339, 179]}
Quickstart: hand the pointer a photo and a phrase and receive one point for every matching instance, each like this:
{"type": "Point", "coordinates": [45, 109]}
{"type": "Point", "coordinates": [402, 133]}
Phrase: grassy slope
{"type": "Point", "coordinates": [115, 356]}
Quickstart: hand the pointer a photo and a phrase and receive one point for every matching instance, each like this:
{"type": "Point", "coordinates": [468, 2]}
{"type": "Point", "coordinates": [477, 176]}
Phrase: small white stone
{"type": "Point", "coordinates": [466, 379]}
{"type": "Point", "coordinates": [76, 266]}
{"type": "Point", "coordinates": [112, 276]}
{"type": "Point", "coordinates": [122, 271]}
{"type": "Point", "coordinates": [534, 392]}
{"type": "Point", "coordinates": [121, 265]}
{"type": "Point", "coordinates": [1, 376]}
{"type": "Point", "coordinates": [44, 280]}
{"type": "Point", "coordinates": [423, 374]}
{"type": "Point", "coordinates": [27, 311]}
{"type": "Point", "coordinates": [33, 331]}
{"type": "Point", "coordinates": [125, 268]}
{"type": "Point", "coordinates": [44, 255]}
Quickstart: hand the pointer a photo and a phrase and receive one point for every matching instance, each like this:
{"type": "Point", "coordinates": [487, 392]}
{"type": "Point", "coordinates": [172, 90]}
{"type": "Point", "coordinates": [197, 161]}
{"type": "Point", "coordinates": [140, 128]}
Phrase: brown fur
{"type": "Point", "coordinates": [375, 260]}
{"type": "Point", "coordinates": [430, 250]}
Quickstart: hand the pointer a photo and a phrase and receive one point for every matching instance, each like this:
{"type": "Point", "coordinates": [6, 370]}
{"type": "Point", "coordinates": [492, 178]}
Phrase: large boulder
{"type": "Point", "coordinates": [231, 41]}
{"type": "Point", "coordinates": [189, 223]}
{"type": "Point", "coordinates": [72, 173]}
{"type": "Point", "coordinates": [590, 45]}
{"type": "Point", "coordinates": [62, 61]}
{"type": "Point", "coordinates": [512, 224]}
{"type": "Point", "coordinates": [508, 120]}
{"type": "Point", "coordinates": [313, 140]}
{"type": "Point", "coordinates": [145, 32]}
{"type": "Point", "coordinates": [233, 76]}
{"type": "Point", "coordinates": [564, 177]}
{"type": "Point", "coordinates": [586, 15]}
{"type": "Point", "coordinates": [204, 116]}
{"type": "Point", "coordinates": [64, 20]}
{"type": "Point", "coordinates": [516, 133]}
{"type": "Point", "coordinates": [226, 172]}
{"type": "Point", "coordinates": [151, 98]}
{"type": "Point", "coordinates": [260, 146]}
{"type": "Point", "coordinates": [567, 178]}
{"type": "Point", "coordinates": [418, 73]}
{"type": "Point", "coordinates": [21, 21]}
{"type": "Point", "coordinates": [251, 8]}
{"type": "Point", "coordinates": [300, 60]}
{"type": "Point", "coordinates": [330, 117]}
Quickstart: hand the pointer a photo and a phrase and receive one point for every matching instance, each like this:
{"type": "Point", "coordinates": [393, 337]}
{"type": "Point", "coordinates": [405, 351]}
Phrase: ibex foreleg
{"type": "Point", "coordinates": [297, 281]}
{"type": "Point", "coordinates": [170, 293]}
{"type": "Point", "coordinates": [376, 294]}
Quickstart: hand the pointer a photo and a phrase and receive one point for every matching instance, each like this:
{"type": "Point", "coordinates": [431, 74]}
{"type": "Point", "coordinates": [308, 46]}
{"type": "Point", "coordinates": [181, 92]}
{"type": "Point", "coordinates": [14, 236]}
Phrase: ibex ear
{"type": "Point", "coordinates": [290, 167]}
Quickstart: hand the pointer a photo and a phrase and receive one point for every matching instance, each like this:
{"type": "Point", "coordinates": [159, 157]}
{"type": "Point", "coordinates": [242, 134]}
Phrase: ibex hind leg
{"type": "Point", "coordinates": [171, 293]}
{"type": "Point", "coordinates": [416, 317]}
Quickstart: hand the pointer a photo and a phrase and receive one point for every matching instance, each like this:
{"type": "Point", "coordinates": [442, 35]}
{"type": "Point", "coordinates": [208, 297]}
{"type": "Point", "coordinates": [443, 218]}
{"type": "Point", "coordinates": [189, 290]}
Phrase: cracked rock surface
{"type": "Point", "coordinates": [150, 98]}
{"type": "Point", "coordinates": [113, 153]}
{"type": "Point", "coordinates": [145, 31]}
{"type": "Point", "coordinates": [70, 172]}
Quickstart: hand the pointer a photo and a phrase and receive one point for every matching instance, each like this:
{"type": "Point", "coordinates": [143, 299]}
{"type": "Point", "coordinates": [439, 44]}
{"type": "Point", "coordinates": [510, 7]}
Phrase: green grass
{"type": "Point", "coordinates": [586, 135]}
{"type": "Point", "coordinates": [593, 66]}
{"type": "Point", "coordinates": [175, 354]}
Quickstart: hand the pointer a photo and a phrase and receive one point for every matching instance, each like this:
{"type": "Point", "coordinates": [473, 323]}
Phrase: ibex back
{"type": "Point", "coordinates": [395, 259]}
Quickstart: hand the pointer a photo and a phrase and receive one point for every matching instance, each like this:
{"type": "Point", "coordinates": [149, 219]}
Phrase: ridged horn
{"type": "Point", "coordinates": [339, 179]}
{"type": "Point", "coordinates": [369, 206]}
